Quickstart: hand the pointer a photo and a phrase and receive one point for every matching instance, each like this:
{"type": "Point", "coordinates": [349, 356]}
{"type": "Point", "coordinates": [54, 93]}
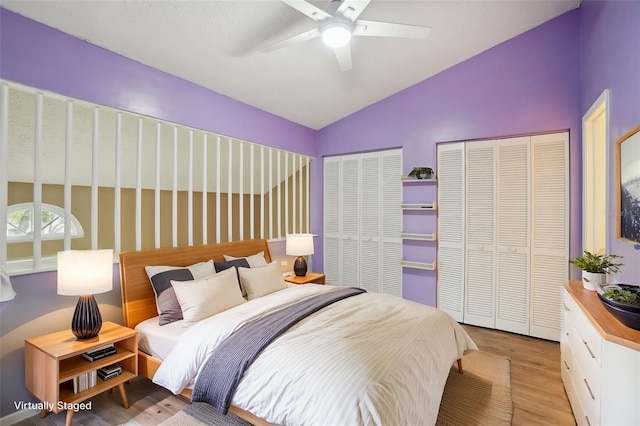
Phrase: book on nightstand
{"type": "Point", "coordinates": [110, 371]}
{"type": "Point", "coordinates": [84, 381]}
{"type": "Point", "coordinates": [99, 353]}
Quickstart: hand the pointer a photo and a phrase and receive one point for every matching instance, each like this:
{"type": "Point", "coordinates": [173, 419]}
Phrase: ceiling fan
{"type": "Point", "coordinates": [337, 27]}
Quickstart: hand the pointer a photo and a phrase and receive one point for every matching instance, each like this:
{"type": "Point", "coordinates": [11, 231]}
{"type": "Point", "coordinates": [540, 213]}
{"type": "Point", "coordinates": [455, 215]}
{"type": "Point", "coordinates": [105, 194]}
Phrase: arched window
{"type": "Point", "coordinates": [21, 223]}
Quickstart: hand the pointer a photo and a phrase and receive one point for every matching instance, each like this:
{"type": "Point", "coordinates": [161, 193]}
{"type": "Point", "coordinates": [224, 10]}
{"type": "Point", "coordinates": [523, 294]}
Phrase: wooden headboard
{"type": "Point", "coordinates": [138, 300]}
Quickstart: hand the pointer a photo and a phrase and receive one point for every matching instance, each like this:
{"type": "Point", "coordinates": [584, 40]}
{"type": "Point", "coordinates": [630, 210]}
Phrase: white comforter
{"type": "Point", "coordinates": [370, 359]}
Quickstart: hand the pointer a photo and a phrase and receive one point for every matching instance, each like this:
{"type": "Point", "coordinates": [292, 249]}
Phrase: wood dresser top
{"type": "Point", "coordinates": [607, 325]}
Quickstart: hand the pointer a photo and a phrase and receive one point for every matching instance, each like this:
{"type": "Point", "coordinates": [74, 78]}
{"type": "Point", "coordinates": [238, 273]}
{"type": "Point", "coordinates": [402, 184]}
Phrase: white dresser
{"type": "Point", "coordinates": [600, 361]}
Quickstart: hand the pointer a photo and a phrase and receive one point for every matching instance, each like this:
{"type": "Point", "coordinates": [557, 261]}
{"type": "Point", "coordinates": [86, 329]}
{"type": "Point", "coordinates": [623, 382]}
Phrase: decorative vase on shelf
{"type": "Point", "coordinates": [421, 173]}
{"type": "Point", "coordinates": [591, 280]}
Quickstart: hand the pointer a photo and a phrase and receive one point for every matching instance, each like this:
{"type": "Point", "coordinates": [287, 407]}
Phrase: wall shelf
{"type": "Point", "coordinates": [410, 180]}
{"type": "Point", "coordinates": [418, 237]}
{"type": "Point", "coordinates": [416, 221]}
{"type": "Point", "coordinates": [419, 206]}
{"type": "Point", "coordinates": [419, 265]}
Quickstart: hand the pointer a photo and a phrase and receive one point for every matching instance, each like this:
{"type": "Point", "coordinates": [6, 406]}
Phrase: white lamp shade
{"type": "Point", "coordinates": [299, 244]}
{"type": "Point", "coordinates": [83, 272]}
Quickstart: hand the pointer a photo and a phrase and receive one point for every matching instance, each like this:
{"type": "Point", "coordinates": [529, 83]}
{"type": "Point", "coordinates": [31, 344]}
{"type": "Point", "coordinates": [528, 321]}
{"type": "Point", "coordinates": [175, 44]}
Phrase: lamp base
{"type": "Point", "coordinates": [300, 267]}
{"type": "Point", "coordinates": [87, 321]}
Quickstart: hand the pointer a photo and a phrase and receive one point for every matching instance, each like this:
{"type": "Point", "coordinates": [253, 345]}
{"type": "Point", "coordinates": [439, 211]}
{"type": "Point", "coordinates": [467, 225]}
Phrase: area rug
{"type": "Point", "coordinates": [480, 396]}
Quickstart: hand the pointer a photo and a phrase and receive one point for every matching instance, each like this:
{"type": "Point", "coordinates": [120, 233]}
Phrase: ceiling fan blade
{"type": "Point", "coordinates": [307, 35]}
{"type": "Point", "coordinates": [308, 9]}
{"type": "Point", "coordinates": [351, 9]}
{"type": "Point", "coordinates": [387, 29]}
{"type": "Point", "coordinates": [343, 54]}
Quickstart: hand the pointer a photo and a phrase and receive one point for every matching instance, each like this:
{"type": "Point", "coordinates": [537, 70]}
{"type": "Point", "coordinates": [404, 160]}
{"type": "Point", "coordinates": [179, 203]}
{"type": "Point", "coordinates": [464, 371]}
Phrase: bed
{"type": "Point", "coordinates": [413, 365]}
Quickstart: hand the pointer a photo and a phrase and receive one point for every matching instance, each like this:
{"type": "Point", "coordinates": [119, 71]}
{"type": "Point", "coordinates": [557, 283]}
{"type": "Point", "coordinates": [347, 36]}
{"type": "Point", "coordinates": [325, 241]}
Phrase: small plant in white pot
{"type": "Point", "coordinates": [595, 268]}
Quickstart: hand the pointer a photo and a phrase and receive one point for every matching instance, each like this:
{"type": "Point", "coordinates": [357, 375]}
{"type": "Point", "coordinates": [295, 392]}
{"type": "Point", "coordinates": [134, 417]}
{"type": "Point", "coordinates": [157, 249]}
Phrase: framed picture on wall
{"type": "Point", "coordinates": [628, 179]}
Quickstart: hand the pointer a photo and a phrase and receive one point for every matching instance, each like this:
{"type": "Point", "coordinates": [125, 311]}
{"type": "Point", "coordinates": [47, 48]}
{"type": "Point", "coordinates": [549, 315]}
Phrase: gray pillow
{"type": "Point", "coordinates": [255, 261]}
{"type": "Point", "coordinates": [166, 300]}
{"type": "Point", "coordinates": [238, 263]}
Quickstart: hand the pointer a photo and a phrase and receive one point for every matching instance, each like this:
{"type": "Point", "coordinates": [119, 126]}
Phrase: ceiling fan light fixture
{"type": "Point", "coordinates": [336, 34]}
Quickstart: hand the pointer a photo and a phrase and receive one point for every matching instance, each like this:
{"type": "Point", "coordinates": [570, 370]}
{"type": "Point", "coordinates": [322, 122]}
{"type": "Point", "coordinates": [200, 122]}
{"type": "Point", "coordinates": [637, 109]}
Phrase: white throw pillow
{"type": "Point", "coordinates": [255, 261]}
{"type": "Point", "coordinates": [208, 296]}
{"type": "Point", "coordinates": [260, 281]}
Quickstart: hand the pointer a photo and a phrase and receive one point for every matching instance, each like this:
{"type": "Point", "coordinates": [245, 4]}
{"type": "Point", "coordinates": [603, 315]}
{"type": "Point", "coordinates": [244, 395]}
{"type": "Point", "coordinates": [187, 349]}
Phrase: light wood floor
{"type": "Point", "coordinates": [536, 387]}
{"type": "Point", "coordinates": [538, 394]}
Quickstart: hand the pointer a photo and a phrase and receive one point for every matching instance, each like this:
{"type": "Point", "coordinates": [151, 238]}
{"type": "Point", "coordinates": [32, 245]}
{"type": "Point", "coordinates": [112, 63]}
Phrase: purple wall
{"type": "Point", "coordinates": [40, 56]}
{"type": "Point", "coordinates": [610, 59]}
{"type": "Point", "coordinates": [525, 85]}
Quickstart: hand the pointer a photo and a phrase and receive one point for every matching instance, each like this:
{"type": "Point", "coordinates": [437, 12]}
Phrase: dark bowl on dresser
{"type": "Point", "coordinates": [628, 315]}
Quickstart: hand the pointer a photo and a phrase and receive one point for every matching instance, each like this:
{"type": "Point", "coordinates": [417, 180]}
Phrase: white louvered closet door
{"type": "Point", "coordinates": [550, 232]}
{"type": "Point", "coordinates": [451, 229]}
{"type": "Point", "coordinates": [349, 220]}
{"type": "Point", "coordinates": [513, 210]}
{"type": "Point", "coordinates": [480, 236]}
{"type": "Point", "coordinates": [370, 222]}
{"type": "Point", "coordinates": [331, 232]}
{"type": "Point", "coordinates": [391, 198]}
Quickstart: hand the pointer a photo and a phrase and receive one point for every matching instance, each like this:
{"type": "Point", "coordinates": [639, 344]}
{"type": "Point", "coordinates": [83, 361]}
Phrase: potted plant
{"type": "Point", "coordinates": [595, 268]}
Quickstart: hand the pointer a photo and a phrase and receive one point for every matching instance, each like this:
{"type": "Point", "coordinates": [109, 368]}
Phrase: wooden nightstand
{"type": "Point", "coordinates": [311, 277]}
{"type": "Point", "coordinates": [53, 360]}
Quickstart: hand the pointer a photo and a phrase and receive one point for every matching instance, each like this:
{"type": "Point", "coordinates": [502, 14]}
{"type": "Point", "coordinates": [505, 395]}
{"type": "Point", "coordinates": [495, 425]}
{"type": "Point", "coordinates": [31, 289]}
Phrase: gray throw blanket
{"type": "Point", "coordinates": [221, 373]}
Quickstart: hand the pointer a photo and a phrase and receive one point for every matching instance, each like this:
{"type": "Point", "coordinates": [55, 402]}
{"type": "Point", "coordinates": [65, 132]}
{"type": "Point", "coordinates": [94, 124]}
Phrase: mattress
{"type": "Point", "coordinates": [158, 340]}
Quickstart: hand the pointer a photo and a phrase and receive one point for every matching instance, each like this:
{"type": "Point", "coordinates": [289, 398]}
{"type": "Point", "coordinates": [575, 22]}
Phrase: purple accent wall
{"type": "Point", "coordinates": [527, 84]}
{"type": "Point", "coordinates": [610, 59]}
{"type": "Point", "coordinates": [43, 57]}
{"type": "Point", "coordinates": [39, 56]}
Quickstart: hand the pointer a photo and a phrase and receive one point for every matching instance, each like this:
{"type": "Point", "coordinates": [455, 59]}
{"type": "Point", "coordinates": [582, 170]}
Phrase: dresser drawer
{"type": "Point", "coordinates": [590, 405]}
{"type": "Point", "coordinates": [567, 341]}
{"type": "Point", "coordinates": [578, 412]}
{"type": "Point", "coordinates": [566, 357]}
{"type": "Point", "coordinates": [587, 365]}
{"type": "Point", "coordinates": [568, 303]}
{"type": "Point", "coordinates": [566, 334]}
{"type": "Point", "coordinates": [586, 336]}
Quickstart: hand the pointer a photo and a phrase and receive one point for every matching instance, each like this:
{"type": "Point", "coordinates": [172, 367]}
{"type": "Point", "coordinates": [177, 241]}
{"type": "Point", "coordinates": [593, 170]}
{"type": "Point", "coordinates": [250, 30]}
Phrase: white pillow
{"type": "Point", "coordinates": [161, 277]}
{"type": "Point", "coordinates": [260, 281]}
{"type": "Point", "coordinates": [255, 261]}
{"type": "Point", "coordinates": [208, 296]}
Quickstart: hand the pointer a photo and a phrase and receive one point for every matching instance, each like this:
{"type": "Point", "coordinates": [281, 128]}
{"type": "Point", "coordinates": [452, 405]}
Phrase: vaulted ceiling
{"type": "Point", "coordinates": [216, 44]}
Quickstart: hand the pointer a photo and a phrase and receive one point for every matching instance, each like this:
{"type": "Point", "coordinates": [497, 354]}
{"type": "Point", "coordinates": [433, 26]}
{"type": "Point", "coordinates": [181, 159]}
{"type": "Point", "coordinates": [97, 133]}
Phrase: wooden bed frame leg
{"type": "Point", "coordinates": [460, 366]}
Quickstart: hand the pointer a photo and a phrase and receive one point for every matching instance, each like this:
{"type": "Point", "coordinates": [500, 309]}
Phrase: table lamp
{"type": "Point", "coordinates": [300, 245]}
{"type": "Point", "coordinates": [85, 273]}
